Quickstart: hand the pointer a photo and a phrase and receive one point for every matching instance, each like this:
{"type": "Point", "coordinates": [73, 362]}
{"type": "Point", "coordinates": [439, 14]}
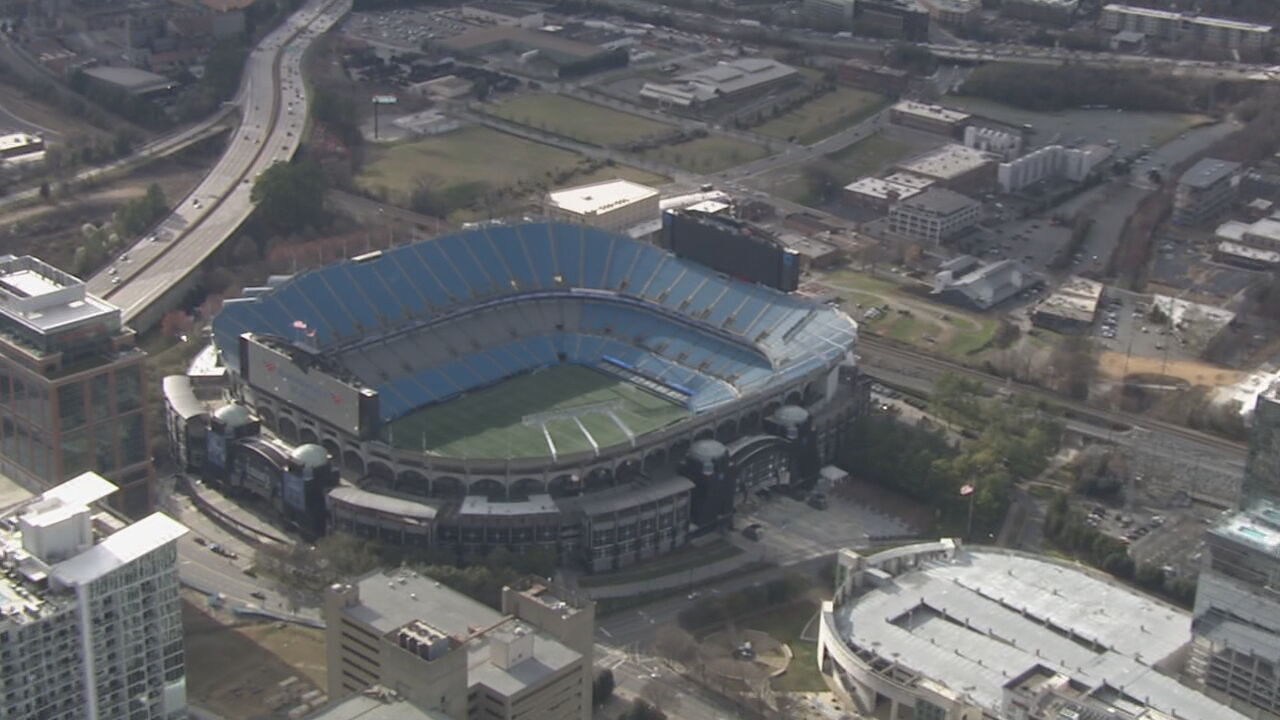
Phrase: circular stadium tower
{"type": "Point", "coordinates": [540, 370]}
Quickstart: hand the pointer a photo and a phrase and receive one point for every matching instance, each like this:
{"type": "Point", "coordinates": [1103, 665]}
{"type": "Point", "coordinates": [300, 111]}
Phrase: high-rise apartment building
{"type": "Point", "coordinates": [90, 620]}
{"type": "Point", "coordinates": [1262, 467]}
{"type": "Point", "coordinates": [445, 653]}
{"type": "Point", "coordinates": [1235, 651]}
{"type": "Point", "coordinates": [72, 386]}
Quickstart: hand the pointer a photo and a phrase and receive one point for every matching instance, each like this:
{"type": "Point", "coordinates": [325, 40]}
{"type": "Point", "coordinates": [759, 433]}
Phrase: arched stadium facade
{"type": "Point", "coordinates": [500, 384]}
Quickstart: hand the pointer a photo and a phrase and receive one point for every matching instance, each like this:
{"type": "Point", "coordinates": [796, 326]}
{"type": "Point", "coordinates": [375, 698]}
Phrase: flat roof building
{"type": "Point", "coordinates": [950, 632]}
{"type": "Point", "coordinates": [76, 391]}
{"type": "Point", "coordinates": [879, 193]}
{"type": "Point", "coordinates": [1055, 11]}
{"type": "Point", "coordinates": [956, 13]}
{"type": "Point", "coordinates": [612, 204]}
{"type": "Point", "coordinates": [930, 118]}
{"type": "Point", "coordinates": [869, 76]}
{"type": "Point", "coordinates": [934, 216]}
{"type": "Point", "coordinates": [905, 19]}
{"type": "Point", "coordinates": [130, 80]}
{"type": "Point", "coordinates": [90, 615]}
{"type": "Point", "coordinates": [960, 168]}
{"type": "Point", "coordinates": [1071, 307]}
{"type": "Point", "coordinates": [1173, 26]}
{"type": "Point", "coordinates": [447, 653]}
{"type": "Point", "coordinates": [724, 80]}
{"type": "Point", "coordinates": [829, 14]}
{"type": "Point", "coordinates": [18, 144]}
{"type": "Point", "coordinates": [1205, 190]}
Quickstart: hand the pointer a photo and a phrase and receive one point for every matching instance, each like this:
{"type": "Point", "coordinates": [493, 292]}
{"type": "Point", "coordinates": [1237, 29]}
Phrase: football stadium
{"type": "Point", "coordinates": [514, 384]}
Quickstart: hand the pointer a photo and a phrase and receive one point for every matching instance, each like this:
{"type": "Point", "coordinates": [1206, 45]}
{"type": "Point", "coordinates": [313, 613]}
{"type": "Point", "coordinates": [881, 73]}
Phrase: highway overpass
{"type": "Point", "coordinates": [153, 275]}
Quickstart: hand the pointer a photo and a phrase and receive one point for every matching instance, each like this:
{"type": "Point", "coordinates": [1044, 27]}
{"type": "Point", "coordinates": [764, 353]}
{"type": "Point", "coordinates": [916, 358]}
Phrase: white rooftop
{"type": "Point", "coordinates": [600, 197]}
{"type": "Point", "coordinates": [84, 489]}
{"type": "Point", "coordinates": [933, 112]}
{"type": "Point", "coordinates": [1188, 17]}
{"type": "Point", "coordinates": [880, 188]}
{"type": "Point", "coordinates": [119, 549]}
{"type": "Point", "coordinates": [44, 298]}
{"type": "Point", "coordinates": [948, 161]}
{"type": "Point", "coordinates": [13, 141]}
{"type": "Point", "coordinates": [977, 622]}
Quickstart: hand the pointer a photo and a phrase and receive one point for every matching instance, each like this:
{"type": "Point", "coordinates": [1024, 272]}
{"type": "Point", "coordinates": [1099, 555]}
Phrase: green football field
{"type": "Point", "coordinates": [568, 404]}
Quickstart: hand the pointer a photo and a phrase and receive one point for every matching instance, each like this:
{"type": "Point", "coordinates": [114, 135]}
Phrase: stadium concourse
{"type": "Point", "coordinates": [538, 384]}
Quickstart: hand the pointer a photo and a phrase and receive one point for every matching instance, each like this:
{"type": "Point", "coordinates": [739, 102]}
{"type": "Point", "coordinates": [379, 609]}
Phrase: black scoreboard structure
{"type": "Point", "coordinates": [733, 247]}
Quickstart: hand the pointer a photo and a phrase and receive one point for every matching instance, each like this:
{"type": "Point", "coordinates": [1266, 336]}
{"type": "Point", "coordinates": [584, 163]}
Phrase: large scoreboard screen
{"type": "Point", "coordinates": [731, 247]}
{"type": "Point", "coordinates": [292, 377]}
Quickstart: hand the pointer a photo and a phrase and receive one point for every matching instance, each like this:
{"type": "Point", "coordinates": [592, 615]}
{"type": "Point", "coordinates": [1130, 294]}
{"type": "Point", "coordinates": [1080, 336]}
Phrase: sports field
{"type": "Point", "coordinates": [570, 404]}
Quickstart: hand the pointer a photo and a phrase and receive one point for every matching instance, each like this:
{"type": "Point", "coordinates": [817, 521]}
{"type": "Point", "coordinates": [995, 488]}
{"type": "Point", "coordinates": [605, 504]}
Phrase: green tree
{"type": "Point", "coordinates": [290, 197]}
{"type": "Point", "coordinates": [602, 688]}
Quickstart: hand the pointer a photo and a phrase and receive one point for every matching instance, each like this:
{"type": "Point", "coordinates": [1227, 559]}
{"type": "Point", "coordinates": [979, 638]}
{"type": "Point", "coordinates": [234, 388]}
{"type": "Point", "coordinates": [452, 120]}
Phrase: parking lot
{"type": "Point", "coordinates": [402, 29]}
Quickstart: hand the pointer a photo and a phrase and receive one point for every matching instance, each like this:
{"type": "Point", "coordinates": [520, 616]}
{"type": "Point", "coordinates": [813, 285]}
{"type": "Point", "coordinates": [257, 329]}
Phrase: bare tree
{"type": "Point", "coordinates": [674, 643]}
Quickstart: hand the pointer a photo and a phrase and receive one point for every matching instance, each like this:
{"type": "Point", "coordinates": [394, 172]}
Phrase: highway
{"type": "Point", "coordinates": [161, 147]}
{"type": "Point", "coordinates": [273, 103]}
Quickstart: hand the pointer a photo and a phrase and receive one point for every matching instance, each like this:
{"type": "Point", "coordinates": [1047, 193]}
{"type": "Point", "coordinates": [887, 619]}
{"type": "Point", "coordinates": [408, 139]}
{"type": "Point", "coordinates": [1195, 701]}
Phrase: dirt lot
{"type": "Point", "coordinates": [235, 669]}
{"type": "Point", "coordinates": [1115, 365]}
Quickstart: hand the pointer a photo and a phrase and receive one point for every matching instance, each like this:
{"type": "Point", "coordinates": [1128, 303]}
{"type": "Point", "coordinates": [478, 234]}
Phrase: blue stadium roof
{"type": "Point", "coordinates": [637, 307]}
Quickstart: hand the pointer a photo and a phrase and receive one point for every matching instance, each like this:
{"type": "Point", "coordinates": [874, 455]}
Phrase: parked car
{"type": "Point", "coordinates": [752, 532]}
{"type": "Point", "coordinates": [818, 501]}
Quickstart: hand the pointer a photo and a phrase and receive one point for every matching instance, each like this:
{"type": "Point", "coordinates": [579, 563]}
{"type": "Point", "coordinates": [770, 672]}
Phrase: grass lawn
{"type": "Point", "coordinates": [707, 155]}
{"type": "Point", "coordinates": [515, 417]}
{"type": "Point", "coordinates": [626, 172]}
{"type": "Point", "coordinates": [785, 625]}
{"type": "Point", "coordinates": [872, 155]}
{"type": "Point", "coordinates": [468, 159]}
{"type": "Point", "coordinates": [824, 116]}
{"type": "Point", "coordinates": [577, 119]}
{"type": "Point", "coordinates": [937, 328]}
{"type": "Point", "coordinates": [686, 558]}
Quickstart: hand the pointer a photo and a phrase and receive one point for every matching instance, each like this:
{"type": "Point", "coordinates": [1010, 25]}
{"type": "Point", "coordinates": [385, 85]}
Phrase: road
{"type": "Point", "coordinates": [153, 150]}
{"type": "Point", "coordinates": [204, 570]}
{"type": "Point", "coordinates": [273, 102]}
{"type": "Point", "coordinates": [1030, 54]}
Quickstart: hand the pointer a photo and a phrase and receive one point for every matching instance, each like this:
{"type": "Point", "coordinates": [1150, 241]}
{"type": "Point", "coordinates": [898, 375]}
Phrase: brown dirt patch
{"type": "Point", "coordinates": [1115, 366]}
{"type": "Point", "coordinates": [234, 667]}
